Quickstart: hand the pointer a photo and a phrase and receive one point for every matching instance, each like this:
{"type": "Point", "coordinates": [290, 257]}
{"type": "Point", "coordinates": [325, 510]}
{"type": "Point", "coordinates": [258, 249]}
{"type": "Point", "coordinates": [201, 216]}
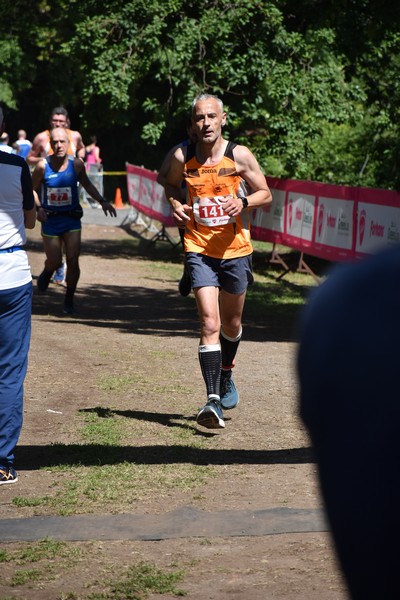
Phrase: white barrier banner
{"type": "Point", "coordinates": [377, 227]}
{"type": "Point", "coordinates": [330, 221]}
{"type": "Point", "coordinates": [300, 216]}
{"type": "Point", "coordinates": [335, 223]}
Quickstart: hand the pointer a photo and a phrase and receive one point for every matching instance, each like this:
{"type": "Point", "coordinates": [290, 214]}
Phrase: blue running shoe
{"type": "Point", "coordinates": [210, 416]}
{"type": "Point", "coordinates": [229, 393]}
{"type": "Point", "coordinates": [59, 275]}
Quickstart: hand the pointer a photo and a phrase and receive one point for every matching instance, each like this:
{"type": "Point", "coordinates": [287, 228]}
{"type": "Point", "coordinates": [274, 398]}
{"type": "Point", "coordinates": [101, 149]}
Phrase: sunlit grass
{"type": "Point", "coordinates": [113, 488]}
{"type": "Point", "coordinates": [49, 556]}
{"type": "Point", "coordinates": [139, 582]}
{"type": "Point", "coordinates": [105, 431]}
{"type": "Point", "coordinates": [50, 552]}
{"type": "Point", "coordinates": [118, 383]}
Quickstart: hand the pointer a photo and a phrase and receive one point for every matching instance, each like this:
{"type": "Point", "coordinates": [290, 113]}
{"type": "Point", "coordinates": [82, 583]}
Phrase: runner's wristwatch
{"type": "Point", "coordinates": [244, 200]}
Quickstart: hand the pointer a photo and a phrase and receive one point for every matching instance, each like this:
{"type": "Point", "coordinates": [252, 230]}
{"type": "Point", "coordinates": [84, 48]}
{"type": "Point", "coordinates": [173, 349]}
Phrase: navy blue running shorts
{"type": "Point", "coordinates": [56, 226]}
{"type": "Point", "coordinates": [233, 275]}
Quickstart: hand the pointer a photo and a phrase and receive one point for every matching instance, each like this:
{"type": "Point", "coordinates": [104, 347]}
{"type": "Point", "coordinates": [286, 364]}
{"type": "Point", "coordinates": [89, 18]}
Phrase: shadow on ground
{"type": "Point", "coordinates": [32, 457]}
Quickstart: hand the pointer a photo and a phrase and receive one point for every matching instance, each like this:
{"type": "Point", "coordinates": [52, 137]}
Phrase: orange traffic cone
{"type": "Point", "coordinates": [118, 199]}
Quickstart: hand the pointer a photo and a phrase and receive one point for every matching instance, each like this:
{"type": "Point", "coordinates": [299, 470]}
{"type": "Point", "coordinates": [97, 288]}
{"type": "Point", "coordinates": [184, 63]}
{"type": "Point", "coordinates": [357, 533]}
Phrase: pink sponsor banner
{"type": "Point", "coordinates": [337, 223]}
{"type": "Point", "coordinates": [333, 222]}
{"type": "Point", "coordinates": [147, 196]}
{"type": "Point", "coordinates": [268, 223]}
{"type": "Point", "coordinates": [334, 230]}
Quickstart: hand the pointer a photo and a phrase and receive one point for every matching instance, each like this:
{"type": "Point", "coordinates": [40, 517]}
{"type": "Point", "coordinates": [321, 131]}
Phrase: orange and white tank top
{"type": "Point", "coordinates": [71, 146]}
{"type": "Point", "coordinates": [210, 230]}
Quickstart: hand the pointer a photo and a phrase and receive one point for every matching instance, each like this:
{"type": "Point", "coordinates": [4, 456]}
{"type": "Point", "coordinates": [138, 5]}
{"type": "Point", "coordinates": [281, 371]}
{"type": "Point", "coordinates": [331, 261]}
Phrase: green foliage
{"type": "Point", "coordinates": [313, 88]}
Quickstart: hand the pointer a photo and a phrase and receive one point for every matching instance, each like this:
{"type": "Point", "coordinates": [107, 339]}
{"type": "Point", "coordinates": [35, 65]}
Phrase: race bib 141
{"type": "Point", "coordinates": [210, 211]}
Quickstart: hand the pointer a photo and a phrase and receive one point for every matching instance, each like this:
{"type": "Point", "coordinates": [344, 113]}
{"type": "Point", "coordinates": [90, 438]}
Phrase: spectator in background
{"type": "Point", "coordinates": [94, 168]}
{"type": "Point", "coordinates": [22, 145]}
{"type": "Point", "coordinates": [17, 212]}
{"type": "Point", "coordinates": [4, 146]}
{"type": "Point", "coordinates": [348, 366]}
{"type": "Point", "coordinates": [92, 152]}
{"type": "Point", "coordinates": [41, 146]}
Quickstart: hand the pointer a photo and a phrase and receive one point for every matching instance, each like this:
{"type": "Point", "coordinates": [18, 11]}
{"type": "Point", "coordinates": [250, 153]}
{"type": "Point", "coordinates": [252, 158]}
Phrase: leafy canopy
{"type": "Point", "coordinates": [313, 89]}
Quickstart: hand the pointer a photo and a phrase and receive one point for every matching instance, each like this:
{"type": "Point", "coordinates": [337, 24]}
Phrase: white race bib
{"type": "Point", "coordinates": [59, 196]}
{"type": "Point", "coordinates": [210, 212]}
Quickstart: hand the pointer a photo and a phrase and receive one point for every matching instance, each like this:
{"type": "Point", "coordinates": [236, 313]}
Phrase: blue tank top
{"type": "Point", "coordinates": [60, 188]}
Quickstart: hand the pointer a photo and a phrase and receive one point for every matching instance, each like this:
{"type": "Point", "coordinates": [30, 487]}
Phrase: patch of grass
{"type": "Point", "coordinates": [4, 556]}
{"type": "Point", "coordinates": [129, 582]}
{"type": "Point", "coordinates": [104, 430]}
{"type": "Point", "coordinates": [46, 549]}
{"type": "Point", "coordinates": [275, 305]}
{"type": "Point", "coordinates": [118, 383]}
{"type": "Point", "coordinates": [205, 542]}
{"type": "Point", "coordinates": [140, 581]}
{"type": "Point", "coordinates": [21, 502]}
{"type": "Point", "coordinates": [168, 389]}
{"type": "Point", "coordinates": [267, 291]}
{"type": "Point", "coordinates": [187, 436]}
{"type": "Point", "coordinates": [51, 556]}
{"type": "Point", "coordinates": [115, 487]}
{"type": "Point", "coordinates": [167, 270]}
{"type": "Point", "coordinates": [25, 576]}
{"type": "Point", "coordinates": [161, 354]}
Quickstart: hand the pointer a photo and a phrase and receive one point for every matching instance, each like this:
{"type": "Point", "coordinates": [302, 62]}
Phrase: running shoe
{"type": "Point", "coordinates": [210, 416]}
{"type": "Point", "coordinates": [185, 284]}
{"type": "Point", "coordinates": [229, 393]}
{"type": "Point", "coordinates": [59, 275]}
{"type": "Point", "coordinates": [8, 475]}
{"type": "Point", "coordinates": [43, 280]}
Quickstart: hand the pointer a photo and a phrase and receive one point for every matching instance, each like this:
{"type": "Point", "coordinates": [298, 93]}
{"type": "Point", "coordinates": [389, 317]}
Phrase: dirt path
{"type": "Point", "coordinates": [132, 322]}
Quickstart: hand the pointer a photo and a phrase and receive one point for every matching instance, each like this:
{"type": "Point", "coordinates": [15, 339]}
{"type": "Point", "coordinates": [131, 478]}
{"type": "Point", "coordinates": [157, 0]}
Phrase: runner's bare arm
{"type": "Point", "coordinates": [163, 172]}
{"type": "Point", "coordinates": [80, 146]}
{"type": "Point", "coordinates": [249, 169]}
{"type": "Point", "coordinates": [34, 154]}
{"type": "Point", "coordinates": [173, 187]}
{"type": "Point", "coordinates": [37, 180]}
{"type": "Point", "coordinates": [38, 173]}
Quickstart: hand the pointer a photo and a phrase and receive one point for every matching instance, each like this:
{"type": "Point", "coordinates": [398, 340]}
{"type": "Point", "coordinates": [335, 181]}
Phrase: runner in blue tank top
{"type": "Point", "coordinates": [60, 211]}
{"type": "Point", "coordinates": [60, 189]}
